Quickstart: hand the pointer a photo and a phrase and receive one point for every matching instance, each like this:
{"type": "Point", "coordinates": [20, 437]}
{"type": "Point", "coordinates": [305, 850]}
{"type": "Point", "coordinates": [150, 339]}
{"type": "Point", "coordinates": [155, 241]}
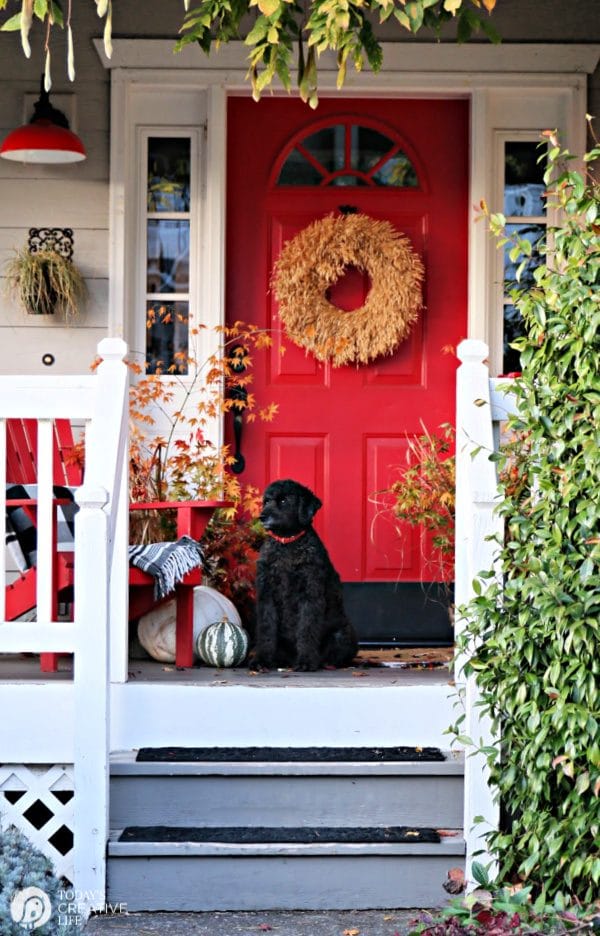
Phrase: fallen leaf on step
{"type": "Point", "coordinates": [352, 932]}
{"type": "Point", "coordinates": [264, 927]}
{"type": "Point", "coordinates": [168, 669]}
{"type": "Point", "coordinates": [387, 918]}
{"type": "Point", "coordinates": [359, 673]}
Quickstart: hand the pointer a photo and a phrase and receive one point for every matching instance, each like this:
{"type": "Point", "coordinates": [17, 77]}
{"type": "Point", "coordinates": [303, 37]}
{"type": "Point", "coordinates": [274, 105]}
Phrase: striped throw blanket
{"type": "Point", "coordinates": [168, 563]}
{"type": "Point", "coordinates": [21, 532]}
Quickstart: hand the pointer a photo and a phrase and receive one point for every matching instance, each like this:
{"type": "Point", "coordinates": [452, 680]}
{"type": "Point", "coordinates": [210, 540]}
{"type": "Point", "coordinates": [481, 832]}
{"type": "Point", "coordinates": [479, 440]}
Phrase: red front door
{"type": "Point", "coordinates": [342, 430]}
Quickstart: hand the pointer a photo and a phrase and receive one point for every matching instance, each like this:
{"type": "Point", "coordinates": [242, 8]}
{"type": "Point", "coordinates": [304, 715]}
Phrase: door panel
{"type": "Point", "coordinates": [343, 431]}
{"type": "Point", "coordinates": [388, 554]}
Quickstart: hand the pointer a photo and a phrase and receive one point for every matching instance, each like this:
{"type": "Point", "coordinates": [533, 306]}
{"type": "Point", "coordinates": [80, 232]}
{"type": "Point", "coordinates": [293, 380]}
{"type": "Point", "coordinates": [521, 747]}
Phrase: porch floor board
{"type": "Point", "coordinates": [19, 668]}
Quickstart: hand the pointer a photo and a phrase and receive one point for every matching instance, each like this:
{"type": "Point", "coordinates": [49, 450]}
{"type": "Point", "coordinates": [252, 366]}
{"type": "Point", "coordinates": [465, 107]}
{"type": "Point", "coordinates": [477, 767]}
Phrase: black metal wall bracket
{"type": "Point", "coordinates": [58, 239]}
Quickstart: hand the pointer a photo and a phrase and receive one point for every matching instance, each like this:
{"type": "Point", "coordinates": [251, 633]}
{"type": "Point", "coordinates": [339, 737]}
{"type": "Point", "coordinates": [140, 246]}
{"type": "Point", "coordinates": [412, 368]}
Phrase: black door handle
{"type": "Point", "coordinates": [239, 395]}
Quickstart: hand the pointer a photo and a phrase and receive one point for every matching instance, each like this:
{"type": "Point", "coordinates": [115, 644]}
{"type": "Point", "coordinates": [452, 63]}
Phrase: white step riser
{"type": "Point", "coordinates": [156, 715]}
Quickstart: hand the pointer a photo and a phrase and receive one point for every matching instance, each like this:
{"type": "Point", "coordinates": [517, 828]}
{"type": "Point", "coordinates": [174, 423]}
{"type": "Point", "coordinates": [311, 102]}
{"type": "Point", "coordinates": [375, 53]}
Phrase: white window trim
{"type": "Point", "coordinates": [492, 78]}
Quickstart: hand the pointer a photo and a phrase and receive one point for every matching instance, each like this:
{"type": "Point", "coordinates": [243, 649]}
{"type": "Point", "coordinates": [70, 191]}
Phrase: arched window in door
{"type": "Point", "coordinates": [348, 153]}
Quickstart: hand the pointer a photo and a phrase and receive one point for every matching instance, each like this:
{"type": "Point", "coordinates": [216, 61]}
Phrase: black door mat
{"type": "Point", "coordinates": [294, 754]}
{"type": "Point", "coordinates": [256, 835]}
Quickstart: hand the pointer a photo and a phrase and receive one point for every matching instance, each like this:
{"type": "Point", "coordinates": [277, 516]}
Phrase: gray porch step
{"type": "Point", "coordinates": [286, 794]}
{"type": "Point", "coordinates": [197, 876]}
{"type": "Point", "coordinates": [188, 876]}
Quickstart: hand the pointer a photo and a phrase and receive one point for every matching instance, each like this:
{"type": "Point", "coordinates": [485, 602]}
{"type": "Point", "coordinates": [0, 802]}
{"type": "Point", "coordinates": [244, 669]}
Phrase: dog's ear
{"type": "Point", "coordinates": [307, 508]}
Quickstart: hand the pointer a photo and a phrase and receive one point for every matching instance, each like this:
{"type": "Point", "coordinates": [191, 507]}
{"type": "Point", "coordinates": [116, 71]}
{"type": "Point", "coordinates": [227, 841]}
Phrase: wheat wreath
{"type": "Point", "coordinates": [312, 261]}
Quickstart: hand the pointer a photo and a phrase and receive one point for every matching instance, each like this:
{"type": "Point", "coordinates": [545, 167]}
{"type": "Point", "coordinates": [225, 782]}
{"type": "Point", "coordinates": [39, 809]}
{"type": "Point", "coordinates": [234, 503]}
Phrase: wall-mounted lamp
{"type": "Point", "coordinates": [45, 139]}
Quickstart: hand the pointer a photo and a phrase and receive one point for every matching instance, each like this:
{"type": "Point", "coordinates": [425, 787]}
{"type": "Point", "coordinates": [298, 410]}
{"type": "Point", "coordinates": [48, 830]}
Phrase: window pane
{"type": "Point", "coordinates": [167, 337]}
{"type": "Point", "coordinates": [168, 256]}
{"type": "Point", "coordinates": [367, 147]}
{"type": "Point", "coordinates": [347, 180]}
{"type": "Point", "coordinates": [168, 174]}
{"type": "Point", "coordinates": [523, 180]}
{"type": "Point", "coordinates": [531, 233]}
{"type": "Point", "coordinates": [514, 327]}
{"type": "Point", "coordinates": [397, 171]}
{"type": "Point", "coordinates": [297, 170]}
{"type": "Point", "coordinates": [327, 147]}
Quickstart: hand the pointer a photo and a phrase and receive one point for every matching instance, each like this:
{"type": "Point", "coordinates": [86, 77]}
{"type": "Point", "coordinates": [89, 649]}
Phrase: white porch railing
{"type": "Point", "coordinates": [482, 404]}
{"type": "Point", "coordinates": [100, 403]}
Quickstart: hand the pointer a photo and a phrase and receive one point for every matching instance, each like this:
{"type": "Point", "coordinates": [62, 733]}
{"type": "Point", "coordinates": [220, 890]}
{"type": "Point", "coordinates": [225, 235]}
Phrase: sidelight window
{"type": "Point", "coordinates": [167, 242]}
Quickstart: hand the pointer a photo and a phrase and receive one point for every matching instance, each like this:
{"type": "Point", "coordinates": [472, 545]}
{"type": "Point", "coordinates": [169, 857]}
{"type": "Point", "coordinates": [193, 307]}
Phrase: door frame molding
{"type": "Point", "coordinates": [492, 78]}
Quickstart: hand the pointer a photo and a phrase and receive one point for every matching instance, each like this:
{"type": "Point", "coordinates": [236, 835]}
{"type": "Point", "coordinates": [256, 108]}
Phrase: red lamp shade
{"type": "Point", "coordinates": [42, 142]}
{"type": "Point", "coordinates": [46, 139]}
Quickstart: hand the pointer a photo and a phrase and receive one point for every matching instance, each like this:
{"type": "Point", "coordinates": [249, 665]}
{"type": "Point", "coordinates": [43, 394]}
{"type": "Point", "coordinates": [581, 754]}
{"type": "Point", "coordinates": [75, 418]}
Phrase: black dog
{"type": "Point", "coordinates": [300, 618]}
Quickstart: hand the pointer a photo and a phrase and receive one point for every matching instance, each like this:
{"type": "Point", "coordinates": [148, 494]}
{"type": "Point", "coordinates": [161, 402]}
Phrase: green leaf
{"type": "Point", "coordinates": [258, 31]}
{"type": "Point", "coordinates": [12, 25]}
{"type": "Point", "coordinates": [480, 875]}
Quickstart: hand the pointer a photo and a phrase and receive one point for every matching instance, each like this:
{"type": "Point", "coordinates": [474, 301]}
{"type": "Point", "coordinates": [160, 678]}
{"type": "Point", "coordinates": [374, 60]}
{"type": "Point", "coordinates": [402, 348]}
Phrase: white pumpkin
{"type": "Point", "coordinates": [156, 630]}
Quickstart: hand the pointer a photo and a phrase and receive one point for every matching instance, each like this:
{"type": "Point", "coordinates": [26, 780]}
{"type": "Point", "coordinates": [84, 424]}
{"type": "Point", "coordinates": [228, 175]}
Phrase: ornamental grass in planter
{"type": "Point", "coordinates": [45, 282]}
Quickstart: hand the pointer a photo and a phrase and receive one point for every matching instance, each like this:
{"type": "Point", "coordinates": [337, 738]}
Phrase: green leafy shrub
{"type": "Point", "coordinates": [538, 661]}
{"type": "Point", "coordinates": [509, 911]}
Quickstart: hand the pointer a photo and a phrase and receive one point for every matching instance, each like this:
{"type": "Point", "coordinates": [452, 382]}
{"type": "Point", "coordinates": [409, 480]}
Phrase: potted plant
{"type": "Point", "coordinates": [423, 494]}
{"type": "Point", "coordinates": [45, 282]}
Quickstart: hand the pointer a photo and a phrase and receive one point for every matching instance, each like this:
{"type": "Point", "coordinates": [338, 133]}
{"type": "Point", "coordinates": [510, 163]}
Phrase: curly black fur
{"type": "Point", "coordinates": [300, 614]}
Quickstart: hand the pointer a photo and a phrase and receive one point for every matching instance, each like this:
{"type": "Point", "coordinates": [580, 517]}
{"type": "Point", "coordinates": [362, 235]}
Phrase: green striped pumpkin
{"type": "Point", "coordinates": [222, 644]}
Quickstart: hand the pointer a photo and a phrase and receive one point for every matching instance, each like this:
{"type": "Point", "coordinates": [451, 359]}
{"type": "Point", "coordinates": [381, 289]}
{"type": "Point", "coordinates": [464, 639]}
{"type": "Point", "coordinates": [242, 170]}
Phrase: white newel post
{"type": "Point", "coordinates": [476, 523]}
{"type": "Point", "coordinates": [100, 603]}
{"type": "Point", "coordinates": [91, 691]}
{"type": "Point", "coordinates": [112, 441]}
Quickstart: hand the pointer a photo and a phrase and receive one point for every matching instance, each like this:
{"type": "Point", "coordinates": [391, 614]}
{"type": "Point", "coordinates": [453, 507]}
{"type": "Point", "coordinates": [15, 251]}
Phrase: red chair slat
{"type": "Point", "coordinates": [21, 453]}
{"type": "Point", "coordinates": [192, 519]}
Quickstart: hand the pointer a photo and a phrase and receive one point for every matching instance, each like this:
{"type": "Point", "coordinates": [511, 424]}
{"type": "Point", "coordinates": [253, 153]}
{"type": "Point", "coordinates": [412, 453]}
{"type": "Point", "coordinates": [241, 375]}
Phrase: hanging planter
{"type": "Point", "coordinates": [43, 276]}
{"type": "Point", "coordinates": [317, 257]}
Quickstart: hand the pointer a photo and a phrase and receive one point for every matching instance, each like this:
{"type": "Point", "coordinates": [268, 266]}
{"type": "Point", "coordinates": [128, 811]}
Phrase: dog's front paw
{"type": "Point", "coordinates": [307, 663]}
{"type": "Point", "coordinates": [261, 661]}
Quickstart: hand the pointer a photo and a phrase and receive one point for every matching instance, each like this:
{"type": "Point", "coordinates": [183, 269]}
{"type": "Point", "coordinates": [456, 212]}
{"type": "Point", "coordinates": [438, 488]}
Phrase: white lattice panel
{"type": "Point", "coordinates": [39, 801]}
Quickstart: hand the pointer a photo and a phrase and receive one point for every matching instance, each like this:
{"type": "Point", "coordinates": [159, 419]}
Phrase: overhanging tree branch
{"type": "Point", "coordinates": [275, 31]}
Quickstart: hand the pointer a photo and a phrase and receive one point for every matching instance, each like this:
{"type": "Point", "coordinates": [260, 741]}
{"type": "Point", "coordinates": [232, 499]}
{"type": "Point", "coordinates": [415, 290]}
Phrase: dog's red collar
{"type": "Point", "coordinates": [286, 539]}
